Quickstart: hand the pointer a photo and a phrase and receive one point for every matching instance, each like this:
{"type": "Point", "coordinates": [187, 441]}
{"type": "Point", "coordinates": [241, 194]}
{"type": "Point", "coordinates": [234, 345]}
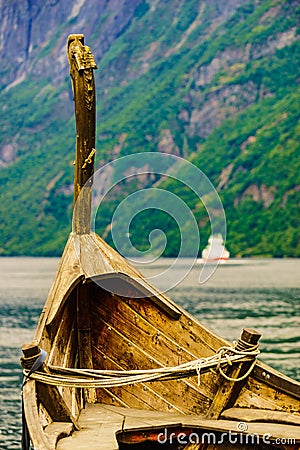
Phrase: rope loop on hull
{"type": "Point", "coordinates": [91, 378]}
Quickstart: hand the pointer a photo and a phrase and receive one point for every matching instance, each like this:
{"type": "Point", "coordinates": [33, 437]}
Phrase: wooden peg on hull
{"type": "Point", "coordinates": [228, 390]}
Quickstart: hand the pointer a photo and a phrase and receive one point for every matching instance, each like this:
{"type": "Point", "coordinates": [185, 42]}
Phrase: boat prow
{"type": "Point", "coordinates": [116, 364]}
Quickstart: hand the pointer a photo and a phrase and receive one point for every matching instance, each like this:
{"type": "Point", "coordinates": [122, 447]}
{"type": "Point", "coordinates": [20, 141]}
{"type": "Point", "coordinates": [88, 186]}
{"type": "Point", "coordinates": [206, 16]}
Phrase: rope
{"type": "Point", "coordinates": [244, 348]}
{"type": "Point", "coordinates": [88, 378]}
{"type": "Point", "coordinates": [239, 378]}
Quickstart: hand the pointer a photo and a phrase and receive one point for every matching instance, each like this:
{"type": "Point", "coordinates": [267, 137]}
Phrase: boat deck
{"type": "Point", "coordinates": [99, 424]}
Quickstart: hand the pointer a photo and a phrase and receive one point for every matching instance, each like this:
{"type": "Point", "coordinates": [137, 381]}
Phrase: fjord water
{"type": "Point", "coordinates": [261, 294]}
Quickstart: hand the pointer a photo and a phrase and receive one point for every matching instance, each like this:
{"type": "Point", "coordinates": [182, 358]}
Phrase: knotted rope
{"type": "Point", "coordinates": [91, 378]}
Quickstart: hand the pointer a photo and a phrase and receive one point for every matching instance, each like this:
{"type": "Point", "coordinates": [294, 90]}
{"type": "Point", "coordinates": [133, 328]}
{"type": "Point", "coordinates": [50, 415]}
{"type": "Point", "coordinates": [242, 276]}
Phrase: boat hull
{"type": "Point", "coordinates": [112, 319]}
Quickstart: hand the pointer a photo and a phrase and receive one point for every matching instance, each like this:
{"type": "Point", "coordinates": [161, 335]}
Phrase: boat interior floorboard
{"type": "Point", "coordinates": [99, 424]}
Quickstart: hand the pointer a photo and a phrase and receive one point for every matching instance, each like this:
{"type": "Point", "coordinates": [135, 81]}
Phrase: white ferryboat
{"type": "Point", "coordinates": [215, 250]}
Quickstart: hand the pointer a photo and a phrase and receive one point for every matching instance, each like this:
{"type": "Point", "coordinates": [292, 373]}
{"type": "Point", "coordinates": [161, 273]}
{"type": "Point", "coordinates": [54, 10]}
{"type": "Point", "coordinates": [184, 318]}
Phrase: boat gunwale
{"type": "Point", "coordinates": [262, 372]}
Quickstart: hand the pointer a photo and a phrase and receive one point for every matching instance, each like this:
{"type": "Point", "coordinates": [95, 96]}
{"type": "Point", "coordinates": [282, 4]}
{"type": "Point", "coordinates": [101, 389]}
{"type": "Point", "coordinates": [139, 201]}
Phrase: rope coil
{"type": "Point", "coordinates": [91, 378]}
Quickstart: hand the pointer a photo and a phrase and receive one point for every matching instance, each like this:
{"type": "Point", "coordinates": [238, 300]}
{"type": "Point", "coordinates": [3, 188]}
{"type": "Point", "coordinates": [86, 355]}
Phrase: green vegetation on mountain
{"type": "Point", "coordinates": [217, 87]}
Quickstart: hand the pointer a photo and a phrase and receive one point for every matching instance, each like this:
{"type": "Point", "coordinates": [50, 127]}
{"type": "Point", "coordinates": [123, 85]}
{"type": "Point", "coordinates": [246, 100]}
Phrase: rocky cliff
{"type": "Point", "coordinates": [216, 82]}
{"type": "Point", "coordinates": [33, 34]}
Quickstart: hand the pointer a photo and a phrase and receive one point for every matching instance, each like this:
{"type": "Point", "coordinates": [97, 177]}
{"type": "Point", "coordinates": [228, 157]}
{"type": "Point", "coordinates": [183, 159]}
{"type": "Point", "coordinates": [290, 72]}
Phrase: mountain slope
{"type": "Point", "coordinates": [215, 82]}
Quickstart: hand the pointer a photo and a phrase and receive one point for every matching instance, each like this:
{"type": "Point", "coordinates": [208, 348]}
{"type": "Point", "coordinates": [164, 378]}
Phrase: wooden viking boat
{"type": "Point", "coordinates": [116, 364]}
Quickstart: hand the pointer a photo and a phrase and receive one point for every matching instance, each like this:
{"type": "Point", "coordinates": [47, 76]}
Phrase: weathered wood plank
{"type": "Point", "coordinates": [272, 430]}
{"type": "Point", "coordinates": [64, 337]}
{"type": "Point", "coordinates": [84, 327]}
{"type": "Point", "coordinates": [55, 404]}
{"type": "Point", "coordinates": [85, 355]}
{"type": "Point", "coordinates": [64, 348]}
{"type": "Point", "coordinates": [274, 379]}
{"type": "Point", "coordinates": [37, 435]}
{"type": "Point", "coordinates": [198, 430]}
{"type": "Point", "coordinates": [261, 396]}
{"type": "Point", "coordinates": [138, 395]}
{"type": "Point", "coordinates": [260, 415]}
{"type": "Point", "coordinates": [187, 331]}
{"type": "Point", "coordinates": [98, 427]}
{"type": "Point", "coordinates": [153, 339]}
{"type": "Point", "coordinates": [132, 354]}
{"type": "Point", "coordinates": [135, 287]}
{"type": "Point", "coordinates": [56, 431]}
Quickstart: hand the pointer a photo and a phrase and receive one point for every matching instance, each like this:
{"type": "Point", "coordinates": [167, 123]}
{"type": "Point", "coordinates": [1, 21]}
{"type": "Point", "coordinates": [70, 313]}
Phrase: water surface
{"type": "Point", "coordinates": [261, 294]}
